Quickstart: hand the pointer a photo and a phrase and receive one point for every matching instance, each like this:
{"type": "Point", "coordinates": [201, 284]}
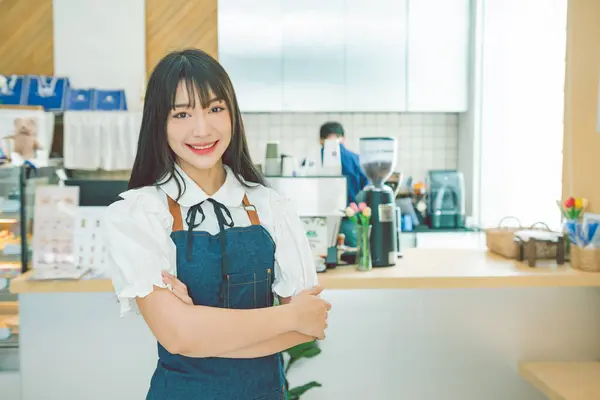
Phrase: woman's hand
{"type": "Point", "coordinates": [179, 289]}
{"type": "Point", "coordinates": [311, 312]}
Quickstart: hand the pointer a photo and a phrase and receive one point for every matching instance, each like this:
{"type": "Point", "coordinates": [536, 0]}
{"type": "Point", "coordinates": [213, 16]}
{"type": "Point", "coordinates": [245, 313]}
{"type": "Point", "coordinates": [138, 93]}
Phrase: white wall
{"type": "Point", "coordinates": [102, 44]}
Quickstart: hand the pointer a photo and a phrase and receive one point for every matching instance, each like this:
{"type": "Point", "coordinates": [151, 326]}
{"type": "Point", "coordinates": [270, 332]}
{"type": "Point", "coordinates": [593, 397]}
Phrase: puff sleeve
{"type": "Point", "coordinates": [295, 269]}
{"type": "Point", "coordinates": [138, 244]}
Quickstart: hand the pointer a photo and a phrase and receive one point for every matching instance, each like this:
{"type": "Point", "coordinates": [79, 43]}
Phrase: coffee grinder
{"type": "Point", "coordinates": [378, 160]}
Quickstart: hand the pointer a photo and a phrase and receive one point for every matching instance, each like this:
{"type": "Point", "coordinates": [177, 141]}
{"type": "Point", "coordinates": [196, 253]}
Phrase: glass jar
{"type": "Point", "coordinates": [363, 248]}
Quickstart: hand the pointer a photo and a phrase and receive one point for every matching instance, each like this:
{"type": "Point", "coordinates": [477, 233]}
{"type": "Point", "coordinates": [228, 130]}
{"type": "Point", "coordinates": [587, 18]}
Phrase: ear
{"type": "Point", "coordinates": [18, 121]}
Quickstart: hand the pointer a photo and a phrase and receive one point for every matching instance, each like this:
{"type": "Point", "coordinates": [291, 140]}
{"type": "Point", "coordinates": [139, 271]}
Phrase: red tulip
{"type": "Point", "coordinates": [570, 202]}
{"type": "Point", "coordinates": [354, 207]}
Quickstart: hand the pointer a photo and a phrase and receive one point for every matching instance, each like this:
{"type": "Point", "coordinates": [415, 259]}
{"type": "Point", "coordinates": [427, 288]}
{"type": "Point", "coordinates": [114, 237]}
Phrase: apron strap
{"type": "Point", "coordinates": [251, 211]}
{"type": "Point", "coordinates": [175, 211]}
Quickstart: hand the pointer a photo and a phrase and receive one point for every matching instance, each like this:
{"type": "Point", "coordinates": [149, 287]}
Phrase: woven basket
{"type": "Point", "coordinates": [585, 259]}
{"type": "Point", "coordinates": [501, 240]}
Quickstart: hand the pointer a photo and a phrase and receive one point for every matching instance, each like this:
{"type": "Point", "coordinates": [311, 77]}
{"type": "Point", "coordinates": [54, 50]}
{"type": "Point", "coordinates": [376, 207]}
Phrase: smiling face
{"type": "Point", "coordinates": [191, 118]}
{"type": "Point", "coordinates": [198, 135]}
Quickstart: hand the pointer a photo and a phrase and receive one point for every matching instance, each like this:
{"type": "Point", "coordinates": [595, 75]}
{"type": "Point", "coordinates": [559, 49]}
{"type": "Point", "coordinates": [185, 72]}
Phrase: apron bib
{"type": "Point", "coordinates": [232, 269]}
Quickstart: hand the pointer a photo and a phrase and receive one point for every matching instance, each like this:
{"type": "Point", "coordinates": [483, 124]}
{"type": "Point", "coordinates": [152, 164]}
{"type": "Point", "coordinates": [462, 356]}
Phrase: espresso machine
{"type": "Point", "coordinates": [378, 160]}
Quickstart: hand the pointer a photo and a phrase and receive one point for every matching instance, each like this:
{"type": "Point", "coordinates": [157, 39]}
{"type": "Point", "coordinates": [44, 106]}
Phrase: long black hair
{"type": "Point", "coordinates": [201, 73]}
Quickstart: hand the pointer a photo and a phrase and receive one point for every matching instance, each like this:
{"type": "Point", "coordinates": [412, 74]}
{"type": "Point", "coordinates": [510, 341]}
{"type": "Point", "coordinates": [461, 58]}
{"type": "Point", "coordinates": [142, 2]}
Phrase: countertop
{"type": "Point", "coordinates": [418, 269]}
{"type": "Point", "coordinates": [564, 381]}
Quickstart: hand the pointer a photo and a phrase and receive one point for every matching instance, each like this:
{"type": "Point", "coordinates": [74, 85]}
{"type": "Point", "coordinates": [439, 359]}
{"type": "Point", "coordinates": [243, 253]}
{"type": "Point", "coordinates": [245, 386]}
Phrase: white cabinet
{"type": "Point", "coordinates": [313, 55]}
{"type": "Point", "coordinates": [438, 55]}
{"type": "Point", "coordinates": [346, 55]}
{"type": "Point", "coordinates": [250, 50]}
{"type": "Point", "coordinates": [375, 55]}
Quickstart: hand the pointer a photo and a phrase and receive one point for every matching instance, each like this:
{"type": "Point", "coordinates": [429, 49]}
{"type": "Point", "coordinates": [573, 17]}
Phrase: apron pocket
{"type": "Point", "coordinates": [248, 290]}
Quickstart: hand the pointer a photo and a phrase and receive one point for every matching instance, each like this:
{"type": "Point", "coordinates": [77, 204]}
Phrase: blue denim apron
{"type": "Point", "coordinates": [232, 269]}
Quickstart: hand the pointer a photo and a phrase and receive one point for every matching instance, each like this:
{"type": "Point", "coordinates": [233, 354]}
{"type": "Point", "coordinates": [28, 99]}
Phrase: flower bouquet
{"type": "Point", "coordinates": [572, 208]}
{"type": "Point", "coordinates": [576, 234]}
{"type": "Point", "coordinates": [361, 215]}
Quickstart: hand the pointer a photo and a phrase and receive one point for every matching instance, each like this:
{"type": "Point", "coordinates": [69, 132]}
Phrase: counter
{"type": "Point", "coordinates": [462, 338]}
{"type": "Point", "coordinates": [564, 381]}
{"type": "Point", "coordinates": [417, 269]}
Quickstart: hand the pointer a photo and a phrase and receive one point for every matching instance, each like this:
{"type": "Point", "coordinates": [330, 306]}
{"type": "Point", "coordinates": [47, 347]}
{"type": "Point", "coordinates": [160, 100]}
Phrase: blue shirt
{"type": "Point", "coordinates": [355, 177]}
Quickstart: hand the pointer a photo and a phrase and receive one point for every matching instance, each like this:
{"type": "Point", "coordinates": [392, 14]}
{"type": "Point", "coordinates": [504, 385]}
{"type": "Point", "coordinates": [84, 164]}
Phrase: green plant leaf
{"type": "Point", "coordinates": [308, 353]}
{"type": "Point", "coordinates": [304, 350]}
{"type": "Point", "coordinates": [296, 351]}
{"type": "Point", "coordinates": [296, 392]}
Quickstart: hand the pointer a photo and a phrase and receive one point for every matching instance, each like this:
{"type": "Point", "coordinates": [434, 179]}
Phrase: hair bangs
{"type": "Point", "coordinates": [200, 83]}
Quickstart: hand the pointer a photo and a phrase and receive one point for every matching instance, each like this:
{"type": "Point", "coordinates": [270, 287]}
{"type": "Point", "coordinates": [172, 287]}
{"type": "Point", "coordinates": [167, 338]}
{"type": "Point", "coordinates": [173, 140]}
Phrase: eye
{"type": "Point", "coordinates": [181, 115]}
{"type": "Point", "coordinates": [216, 109]}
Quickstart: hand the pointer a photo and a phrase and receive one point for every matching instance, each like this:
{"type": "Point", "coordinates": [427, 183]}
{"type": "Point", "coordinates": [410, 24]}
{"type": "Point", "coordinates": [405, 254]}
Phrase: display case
{"type": "Point", "coordinates": [17, 195]}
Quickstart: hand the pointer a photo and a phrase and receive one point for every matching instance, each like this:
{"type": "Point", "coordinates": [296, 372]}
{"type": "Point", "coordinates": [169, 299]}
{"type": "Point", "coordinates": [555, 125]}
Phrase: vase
{"type": "Point", "coordinates": [568, 226]}
{"type": "Point", "coordinates": [363, 248]}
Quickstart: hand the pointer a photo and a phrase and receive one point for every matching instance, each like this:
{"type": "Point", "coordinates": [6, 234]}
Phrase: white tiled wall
{"type": "Point", "coordinates": [425, 141]}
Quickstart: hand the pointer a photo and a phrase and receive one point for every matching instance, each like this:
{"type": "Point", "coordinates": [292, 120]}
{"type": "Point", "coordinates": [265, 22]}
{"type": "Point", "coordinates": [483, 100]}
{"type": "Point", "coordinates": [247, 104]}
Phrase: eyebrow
{"type": "Point", "coordinates": [187, 105]}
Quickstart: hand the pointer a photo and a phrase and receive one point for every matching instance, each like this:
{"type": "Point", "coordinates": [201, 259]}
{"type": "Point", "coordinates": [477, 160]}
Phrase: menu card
{"type": "Point", "coordinates": [53, 226]}
{"type": "Point", "coordinates": [90, 251]}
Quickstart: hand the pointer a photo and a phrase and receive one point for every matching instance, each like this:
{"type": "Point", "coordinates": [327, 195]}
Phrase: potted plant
{"type": "Point", "coordinates": [295, 354]}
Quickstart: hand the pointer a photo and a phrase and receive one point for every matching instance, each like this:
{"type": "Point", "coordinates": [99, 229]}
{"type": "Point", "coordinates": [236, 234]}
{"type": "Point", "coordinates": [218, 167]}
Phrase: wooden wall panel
{"type": "Point", "coordinates": [26, 37]}
{"type": "Point", "coordinates": [178, 24]}
{"type": "Point", "coordinates": [581, 155]}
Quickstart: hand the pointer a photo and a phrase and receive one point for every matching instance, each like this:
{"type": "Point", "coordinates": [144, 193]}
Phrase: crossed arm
{"type": "Point", "coordinates": [199, 331]}
{"type": "Point", "coordinates": [274, 345]}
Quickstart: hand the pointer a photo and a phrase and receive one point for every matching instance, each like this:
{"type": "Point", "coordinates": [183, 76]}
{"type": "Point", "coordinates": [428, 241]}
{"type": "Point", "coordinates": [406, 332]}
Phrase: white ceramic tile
{"type": "Point", "coordinates": [441, 131]}
{"type": "Point", "coordinates": [417, 143]}
{"type": "Point", "coordinates": [416, 119]}
{"type": "Point", "coordinates": [425, 141]}
{"type": "Point", "coordinates": [451, 119]}
{"type": "Point", "coordinates": [428, 131]}
{"type": "Point", "coordinates": [428, 142]}
{"type": "Point", "coordinates": [428, 119]}
{"type": "Point", "coordinates": [439, 144]}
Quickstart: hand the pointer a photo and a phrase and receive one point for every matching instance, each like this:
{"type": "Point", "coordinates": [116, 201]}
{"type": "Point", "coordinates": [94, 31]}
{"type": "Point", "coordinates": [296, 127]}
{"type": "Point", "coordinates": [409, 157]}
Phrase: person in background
{"type": "Point", "coordinates": [351, 169]}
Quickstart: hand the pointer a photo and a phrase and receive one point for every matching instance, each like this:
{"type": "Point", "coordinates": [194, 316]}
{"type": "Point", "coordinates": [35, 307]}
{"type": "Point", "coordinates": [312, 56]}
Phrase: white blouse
{"type": "Point", "coordinates": [137, 234]}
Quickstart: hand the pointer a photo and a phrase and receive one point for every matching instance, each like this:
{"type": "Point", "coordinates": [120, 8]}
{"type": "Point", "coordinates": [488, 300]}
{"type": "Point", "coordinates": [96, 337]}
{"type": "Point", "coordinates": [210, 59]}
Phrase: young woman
{"type": "Point", "coordinates": [200, 246]}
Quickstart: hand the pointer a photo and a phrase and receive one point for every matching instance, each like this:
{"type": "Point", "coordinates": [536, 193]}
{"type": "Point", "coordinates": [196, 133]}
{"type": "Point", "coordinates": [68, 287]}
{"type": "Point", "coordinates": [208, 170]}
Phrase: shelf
{"type": "Point", "coordinates": [9, 259]}
{"type": "Point", "coordinates": [10, 321]}
{"type": "Point", "coordinates": [564, 381]}
{"type": "Point", "coordinates": [9, 308]}
{"type": "Point", "coordinates": [10, 343]}
{"type": "Point", "coordinates": [9, 269]}
{"type": "Point", "coordinates": [9, 218]}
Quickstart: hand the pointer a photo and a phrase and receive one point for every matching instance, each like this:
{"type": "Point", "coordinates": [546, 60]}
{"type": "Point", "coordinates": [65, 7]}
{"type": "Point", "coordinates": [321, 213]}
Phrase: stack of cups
{"type": "Point", "coordinates": [273, 160]}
